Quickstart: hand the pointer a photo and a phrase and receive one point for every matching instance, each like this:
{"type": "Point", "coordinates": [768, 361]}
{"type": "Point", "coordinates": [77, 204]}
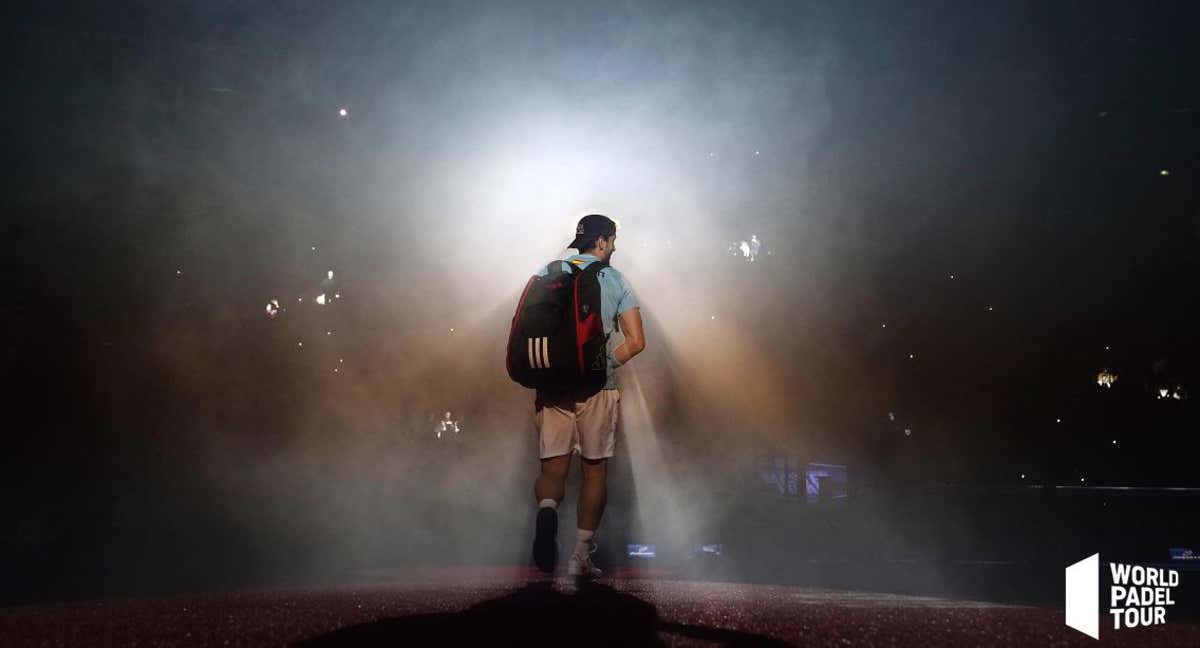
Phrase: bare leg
{"type": "Point", "coordinates": [593, 493]}
{"type": "Point", "coordinates": [550, 485]}
{"type": "Point", "coordinates": [552, 482]}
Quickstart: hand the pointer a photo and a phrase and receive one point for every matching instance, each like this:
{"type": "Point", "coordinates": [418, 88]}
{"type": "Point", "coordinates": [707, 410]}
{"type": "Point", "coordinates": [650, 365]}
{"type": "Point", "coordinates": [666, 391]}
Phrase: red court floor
{"type": "Point", "coordinates": [514, 607]}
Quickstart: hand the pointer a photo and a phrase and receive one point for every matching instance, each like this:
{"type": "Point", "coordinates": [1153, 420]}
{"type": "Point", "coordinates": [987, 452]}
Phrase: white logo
{"type": "Point", "coordinates": [539, 354]}
{"type": "Point", "coordinates": [1138, 595]}
{"type": "Point", "coordinates": [1083, 596]}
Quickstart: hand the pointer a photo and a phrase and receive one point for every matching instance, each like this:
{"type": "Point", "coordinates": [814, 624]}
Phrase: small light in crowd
{"type": "Point", "coordinates": [341, 360]}
{"type": "Point", "coordinates": [1106, 348]}
{"type": "Point", "coordinates": [328, 332]}
{"type": "Point", "coordinates": [1162, 393]}
{"type": "Point", "coordinates": [299, 344]}
{"type": "Point", "coordinates": [1114, 442]}
{"type": "Point", "coordinates": [272, 309]}
{"type": "Point", "coordinates": [990, 309]}
{"type": "Point", "coordinates": [335, 370]}
{"type": "Point", "coordinates": [321, 299]}
{"type": "Point", "coordinates": [337, 295]}
{"type": "Point", "coordinates": [907, 431]}
{"type": "Point", "coordinates": [756, 152]}
{"type": "Point", "coordinates": [178, 272]}
{"type": "Point", "coordinates": [884, 326]}
{"type": "Point", "coordinates": [314, 248]}
{"type": "Point", "coordinates": [951, 276]}
{"type": "Point", "coordinates": [714, 317]}
{"type": "Point", "coordinates": [299, 299]}
{"type": "Point", "coordinates": [329, 274]}
{"type": "Point", "coordinates": [1106, 378]}
{"type": "Point", "coordinates": [1081, 480]}
{"type": "Point", "coordinates": [1164, 172]}
{"type": "Point", "coordinates": [912, 356]}
{"type": "Point", "coordinates": [1058, 420]}
{"type": "Point", "coordinates": [451, 329]}
{"type": "Point", "coordinates": [1022, 475]}
{"type": "Point", "coordinates": [342, 112]}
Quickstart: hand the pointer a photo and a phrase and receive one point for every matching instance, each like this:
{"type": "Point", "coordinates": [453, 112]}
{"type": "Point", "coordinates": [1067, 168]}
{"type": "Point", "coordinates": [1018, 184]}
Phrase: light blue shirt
{"type": "Point", "coordinates": [616, 297]}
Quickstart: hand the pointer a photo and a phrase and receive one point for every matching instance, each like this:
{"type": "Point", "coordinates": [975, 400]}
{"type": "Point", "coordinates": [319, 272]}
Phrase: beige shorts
{"type": "Point", "coordinates": [588, 427]}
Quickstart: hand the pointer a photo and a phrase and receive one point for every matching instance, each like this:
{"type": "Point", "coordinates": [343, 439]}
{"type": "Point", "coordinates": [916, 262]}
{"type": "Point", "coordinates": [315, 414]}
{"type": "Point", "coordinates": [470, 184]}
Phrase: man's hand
{"type": "Point", "coordinates": [635, 341]}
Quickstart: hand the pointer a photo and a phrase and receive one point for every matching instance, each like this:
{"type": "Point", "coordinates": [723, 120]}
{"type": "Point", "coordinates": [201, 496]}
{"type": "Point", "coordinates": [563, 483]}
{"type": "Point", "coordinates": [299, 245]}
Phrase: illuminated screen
{"type": "Point", "coordinates": [824, 482]}
{"type": "Point", "coordinates": [1183, 553]}
{"type": "Point", "coordinates": [780, 475]}
{"type": "Point", "coordinates": [641, 551]}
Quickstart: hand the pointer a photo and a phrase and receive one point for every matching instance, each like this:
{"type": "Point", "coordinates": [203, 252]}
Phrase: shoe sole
{"type": "Point", "coordinates": [545, 542]}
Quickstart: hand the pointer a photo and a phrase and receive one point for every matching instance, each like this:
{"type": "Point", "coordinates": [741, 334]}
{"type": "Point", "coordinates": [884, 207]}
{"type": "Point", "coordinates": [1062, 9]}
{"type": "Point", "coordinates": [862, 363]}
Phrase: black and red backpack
{"type": "Point", "coordinates": [557, 341]}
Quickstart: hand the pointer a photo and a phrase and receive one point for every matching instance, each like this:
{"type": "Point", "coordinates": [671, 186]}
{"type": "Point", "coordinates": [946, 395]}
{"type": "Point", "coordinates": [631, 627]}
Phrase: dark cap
{"type": "Point", "coordinates": [590, 227]}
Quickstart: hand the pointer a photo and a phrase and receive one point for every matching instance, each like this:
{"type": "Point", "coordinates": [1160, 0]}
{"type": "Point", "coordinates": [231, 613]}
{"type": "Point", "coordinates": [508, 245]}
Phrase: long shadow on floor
{"type": "Point", "coordinates": [538, 615]}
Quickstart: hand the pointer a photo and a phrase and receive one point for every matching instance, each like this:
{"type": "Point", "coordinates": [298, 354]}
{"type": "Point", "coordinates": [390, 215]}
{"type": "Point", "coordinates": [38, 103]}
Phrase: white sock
{"type": "Point", "coordinates": [582, 545]}
{"type": "Point", "coordinates": [548, 503]}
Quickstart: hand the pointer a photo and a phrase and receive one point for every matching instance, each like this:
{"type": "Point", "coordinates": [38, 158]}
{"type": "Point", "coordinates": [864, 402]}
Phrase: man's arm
{"type": "Point", "coordinates": [635, 341]}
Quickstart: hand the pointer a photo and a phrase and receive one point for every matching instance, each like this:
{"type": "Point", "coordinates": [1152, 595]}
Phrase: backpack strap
{"type": "Point", "coordinates": [595, 266]}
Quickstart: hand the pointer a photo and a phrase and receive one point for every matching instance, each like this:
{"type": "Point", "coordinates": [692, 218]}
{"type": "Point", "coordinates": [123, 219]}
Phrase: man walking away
{"type": "Point", "coordinates": [569, 419]}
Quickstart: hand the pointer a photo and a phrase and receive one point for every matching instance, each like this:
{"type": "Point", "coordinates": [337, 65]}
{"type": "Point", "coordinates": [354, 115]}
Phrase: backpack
{"type": "Point", "coordinates": [557, 342]}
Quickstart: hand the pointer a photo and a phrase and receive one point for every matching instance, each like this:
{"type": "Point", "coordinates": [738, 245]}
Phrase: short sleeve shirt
{"type": "Point", "coordinates": [616, 297]}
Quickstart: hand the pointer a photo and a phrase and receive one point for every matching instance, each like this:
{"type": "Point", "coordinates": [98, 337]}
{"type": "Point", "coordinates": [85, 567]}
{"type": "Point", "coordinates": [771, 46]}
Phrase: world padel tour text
{"type": "Point", "coordinates": [1140, 595]}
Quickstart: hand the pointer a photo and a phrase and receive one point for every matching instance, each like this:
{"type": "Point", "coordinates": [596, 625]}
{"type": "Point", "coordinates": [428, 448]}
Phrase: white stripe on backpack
{"type": "Point", "coordinates": [539, 352]}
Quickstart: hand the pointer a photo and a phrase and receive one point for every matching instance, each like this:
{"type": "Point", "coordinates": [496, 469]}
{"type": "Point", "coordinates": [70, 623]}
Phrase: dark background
{"type": "Point", "coordinates": [169, 165]}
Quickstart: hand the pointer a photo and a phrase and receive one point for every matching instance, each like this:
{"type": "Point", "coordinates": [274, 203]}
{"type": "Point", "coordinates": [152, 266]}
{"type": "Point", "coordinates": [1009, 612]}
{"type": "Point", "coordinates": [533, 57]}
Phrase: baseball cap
{"type": "Point", "coordinates": [590, 227]}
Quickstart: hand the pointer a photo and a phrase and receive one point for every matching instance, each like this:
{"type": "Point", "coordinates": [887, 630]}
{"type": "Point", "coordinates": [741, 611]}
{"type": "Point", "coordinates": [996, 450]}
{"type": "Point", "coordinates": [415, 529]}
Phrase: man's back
{"type": "Point", "coordinates": [616, 298]}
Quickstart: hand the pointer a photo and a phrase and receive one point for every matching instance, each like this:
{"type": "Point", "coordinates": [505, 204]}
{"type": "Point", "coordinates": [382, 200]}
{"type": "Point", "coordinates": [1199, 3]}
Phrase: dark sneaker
{"type": "Point", "coordinates": [545, 543]}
